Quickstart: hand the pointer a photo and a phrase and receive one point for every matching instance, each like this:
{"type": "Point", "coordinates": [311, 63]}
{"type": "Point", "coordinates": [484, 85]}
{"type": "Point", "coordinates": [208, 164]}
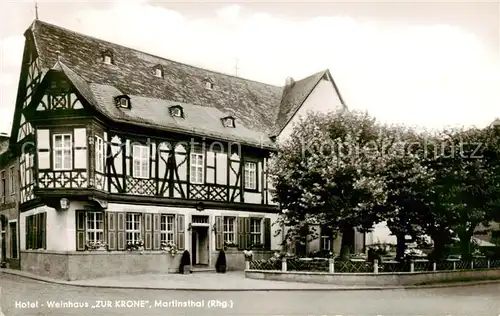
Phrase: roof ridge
{"type": "Point", "coordinates": [152, 55]}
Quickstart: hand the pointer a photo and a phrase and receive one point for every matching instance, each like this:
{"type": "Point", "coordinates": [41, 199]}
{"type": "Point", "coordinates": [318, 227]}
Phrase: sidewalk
{"type": "Point", "coordinates": [231, 281]}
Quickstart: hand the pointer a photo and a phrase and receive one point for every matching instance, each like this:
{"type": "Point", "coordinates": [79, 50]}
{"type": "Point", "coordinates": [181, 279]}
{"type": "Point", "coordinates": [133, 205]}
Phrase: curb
{"type": "Point", "coordinates": [323, 289]}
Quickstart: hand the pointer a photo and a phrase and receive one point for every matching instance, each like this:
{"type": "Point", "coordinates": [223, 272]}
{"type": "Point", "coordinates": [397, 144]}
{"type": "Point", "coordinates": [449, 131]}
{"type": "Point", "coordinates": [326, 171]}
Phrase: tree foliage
{"type": "Point", "coordinates": [344, 170]}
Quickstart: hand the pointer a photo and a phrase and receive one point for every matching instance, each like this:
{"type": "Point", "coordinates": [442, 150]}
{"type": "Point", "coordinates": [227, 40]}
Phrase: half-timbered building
{"type": "Point", "coordinates": [119, 146]}
{"type": "Point", "coordinates": [9, 195]}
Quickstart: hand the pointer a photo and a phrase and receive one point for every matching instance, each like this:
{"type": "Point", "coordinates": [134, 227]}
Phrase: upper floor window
{"type": "Point", "coordinates": [123, 101]}
{"type": "Point", "coordinates": [133, 228]}
{"type": "Point", "coordinates": [229, 230]}
{"type": "Point", "coordinates": [197, 167]}
{"type": "Point", "coordinates": [176, 111]}
{"type": "Point", "coordinates": [99, 154]}
{"type": "Point", "coordinates": [158, 71]}
{"type": "Point", "coordinates": [4, 184]}
{"type": "Point", "coordinates": [209, 83]}
{"type": "Point", "coordinates": [228, 121]}
{"type": "Point", "coordinates": [12, 181]}
{"type": "Point", "coordinates": [107, 57]}
{"type": "Point", "coordinates": [251, 175]}
{"type": "Point", "coordinates": [140, 161]}
{"type": "Point", "coordinates": [167, 228]}
{"type": "Point", "coordinates": [62, 153]}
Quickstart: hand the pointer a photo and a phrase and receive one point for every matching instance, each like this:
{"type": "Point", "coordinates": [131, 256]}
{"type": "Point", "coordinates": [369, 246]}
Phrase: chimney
{"type": "Point", "coordinates": [289, 81]}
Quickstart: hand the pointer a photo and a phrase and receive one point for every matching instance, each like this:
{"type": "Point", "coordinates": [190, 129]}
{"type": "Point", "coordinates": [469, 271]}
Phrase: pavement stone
{"type": "Point", "coordinates": [230, 281]}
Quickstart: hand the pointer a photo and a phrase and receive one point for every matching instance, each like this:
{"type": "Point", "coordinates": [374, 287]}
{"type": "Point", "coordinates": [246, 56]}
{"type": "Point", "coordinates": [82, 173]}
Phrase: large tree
{"type": "Point", "coordinates": [325, 173]}
{"type": "Point", "coordinates": [468, 181]}
{"type": "Point", "coordinates": [408, 185]}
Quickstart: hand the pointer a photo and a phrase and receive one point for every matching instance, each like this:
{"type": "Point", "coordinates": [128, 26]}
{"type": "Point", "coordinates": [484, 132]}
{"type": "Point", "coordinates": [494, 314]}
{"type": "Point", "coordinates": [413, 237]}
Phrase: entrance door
{"type": "Point", "coordinates": [200, 245]}
{"type": "Point", "coordinates": [4, 246]}
{"type": "Point", "coordinates": [13, 240]}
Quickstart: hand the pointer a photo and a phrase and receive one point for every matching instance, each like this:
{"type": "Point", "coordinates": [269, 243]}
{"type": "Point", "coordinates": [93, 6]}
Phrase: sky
{"type": "Point", "coordinates": [427, 64]}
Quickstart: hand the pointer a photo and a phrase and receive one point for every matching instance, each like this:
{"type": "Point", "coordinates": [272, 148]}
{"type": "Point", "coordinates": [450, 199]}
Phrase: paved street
{"type": "Point", "coordinates": [473, 300]}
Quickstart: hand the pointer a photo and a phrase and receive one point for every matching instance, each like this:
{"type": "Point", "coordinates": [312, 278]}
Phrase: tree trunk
{"type": "Point", "coordinates": [465, 246]}
{"type": "Point", "coordinates": [347, 243]}
{"type": "Point", "coordinates": [400, 247]}
{"type": "Point", "coordinates": [440, 242]}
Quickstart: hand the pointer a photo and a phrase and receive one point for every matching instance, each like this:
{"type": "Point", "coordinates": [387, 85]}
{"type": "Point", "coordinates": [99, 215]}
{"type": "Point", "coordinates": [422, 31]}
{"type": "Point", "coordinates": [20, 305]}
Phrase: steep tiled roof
{"type": "Point", "coordinates": [258, 107]}
{"type": "Point", "coordinates": [294, 96]}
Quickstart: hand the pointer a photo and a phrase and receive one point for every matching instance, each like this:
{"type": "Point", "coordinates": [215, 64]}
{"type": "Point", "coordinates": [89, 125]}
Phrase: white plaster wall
{"type": "Point", "coordinates": [323, 99]}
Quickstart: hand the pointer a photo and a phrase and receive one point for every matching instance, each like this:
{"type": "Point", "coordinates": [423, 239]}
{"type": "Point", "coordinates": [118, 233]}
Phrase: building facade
{"type": "Point", "coordinates": [118, 147]}
{"type": "Point", "coordinates": [9, 214]}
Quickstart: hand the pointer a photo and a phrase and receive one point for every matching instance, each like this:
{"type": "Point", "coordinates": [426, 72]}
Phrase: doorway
{"type": "Point", "coordinates": [13, 240]}
{"type": "Point", "coordinates": [200, 245]}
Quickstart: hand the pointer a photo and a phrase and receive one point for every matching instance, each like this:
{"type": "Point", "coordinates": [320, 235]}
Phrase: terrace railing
{"type": "Point", "coordinates": [358, 266]}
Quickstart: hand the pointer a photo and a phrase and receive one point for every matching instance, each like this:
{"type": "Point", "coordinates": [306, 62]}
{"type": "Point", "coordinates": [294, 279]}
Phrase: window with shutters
{"type": "Point", "coordinates": [167, 228]}
{"type": "Point", "coordinates": [250, 176]}
{"type": "Point", "coordinates": [99, 154]}
{"type": "Point", "coordinates": [229, 229]}
{"type": "Point", "coordinates": [133, 228]}
{"type": "Point", "coordinates": [196, 171]}
{"type": "Point", "coordinates": [62, 153]}
{"type": "Point", "coordinates": [35, 231]}
{"type": "Point", "coordinates": [256, 231]}
{"type": "Point", "coordinates": [141, 161]}
{"type": "Point", "coordinates": [95, 227]}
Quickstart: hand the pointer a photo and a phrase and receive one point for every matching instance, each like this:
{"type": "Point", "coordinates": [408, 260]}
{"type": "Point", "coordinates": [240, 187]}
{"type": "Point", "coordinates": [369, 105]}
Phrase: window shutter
{"type": "Point", "coordinates": [27, 233]}
{"type": "Point", "coordinates": [241, 233]}
{"type": "Point", "coordinates": [267, 234]}
{"type": "Point", "coordinates": [248, 239]}
{"type": "Point", "coordinates": [148, 231]}
{"type": "Point", "coordinates": [156, 231]}
{"type": "Point", "coordinates": [120, 231]}
{"type": "Point", "coordinates": [35, 231]}
{"type": "Point", "coordinates": [180, 231]}
{"type": "Point", "coordinates": [80, 230]}
{"type": "Point", "coordinates": [219, 233]}
{"type": "Point", "coordinates": [112, 231]}
{"type": "Point", "coordinates": [43, 228]}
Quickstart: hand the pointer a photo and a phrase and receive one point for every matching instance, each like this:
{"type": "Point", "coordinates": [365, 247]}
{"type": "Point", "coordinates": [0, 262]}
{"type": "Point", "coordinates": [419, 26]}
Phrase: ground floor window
{"type": "Point", "coordinates": [133, 228]}
{"type": "Point", "coordinates": [167, 228]}
{"type": "Point", "coordinates": [95, 227]}
{"type": "Point", "coordinates": [326, 238]}
{"type": "Point", "coordinates": [36, 231]}
{"type": "Point", "coordinates": [255, 231]}
{"type": "Point", "coordinates": [229, 229]}
{"type": "Point", "coordinates": [13, 240]}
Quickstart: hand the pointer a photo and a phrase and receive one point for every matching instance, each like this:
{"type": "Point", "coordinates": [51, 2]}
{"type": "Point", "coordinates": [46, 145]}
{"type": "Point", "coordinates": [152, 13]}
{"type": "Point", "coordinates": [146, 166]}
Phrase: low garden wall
{"type": "Point", "coordinates": [371, 274]}
{"type": "Point", "coordinates": [93, 264]}
{"type": "Point", "coordinates": [236, 260]}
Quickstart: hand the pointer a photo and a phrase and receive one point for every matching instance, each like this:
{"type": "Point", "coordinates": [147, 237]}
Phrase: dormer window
{"type": "Point", "coordinates": [209, 83]}
{"type": "Point", "coordinates": [176, 111]}
{"type": "Point", "coordinates": [158, 71]}
{"type": "Point", "coordinates": [123, 101]}
{"type": "Point", "coordinates": [228, 121]}
{"type": "Point", "coordinates": [107, 57]}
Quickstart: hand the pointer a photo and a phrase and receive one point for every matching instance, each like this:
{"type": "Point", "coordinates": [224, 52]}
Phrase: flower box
{"type": "Point", "coordinates": [137, 246]}
{"type": "Point", "coordinates": [170, 247]}
{"type": "Point", "coordinates": [96, 246]}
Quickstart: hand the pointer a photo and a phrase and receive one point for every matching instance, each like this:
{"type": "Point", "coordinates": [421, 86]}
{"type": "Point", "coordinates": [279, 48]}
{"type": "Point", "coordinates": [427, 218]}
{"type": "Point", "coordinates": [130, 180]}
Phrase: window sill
{"type": "Point", "coordinates": [252, 190]}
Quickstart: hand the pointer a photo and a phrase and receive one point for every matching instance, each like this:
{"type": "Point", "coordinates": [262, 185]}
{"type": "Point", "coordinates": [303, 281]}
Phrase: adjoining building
{"type": "Point", "coordinates": [9, 195]}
